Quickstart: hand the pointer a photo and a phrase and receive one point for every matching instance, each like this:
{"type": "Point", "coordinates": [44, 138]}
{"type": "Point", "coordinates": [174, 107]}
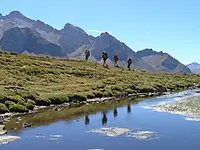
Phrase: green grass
{"type": "Point", "coordinates": [46, 81]}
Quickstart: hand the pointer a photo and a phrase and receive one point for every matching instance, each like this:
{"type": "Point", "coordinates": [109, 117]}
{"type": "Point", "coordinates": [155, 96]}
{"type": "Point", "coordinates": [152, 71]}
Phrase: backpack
{"type": "Point", "coordinates": [129, 61]}
{"type": "Point", "coordinates": [88, 53]}
{"type": "Point", "coordinates": [116, 57]}
{"type": "Point", "coordinates": [105, 55]}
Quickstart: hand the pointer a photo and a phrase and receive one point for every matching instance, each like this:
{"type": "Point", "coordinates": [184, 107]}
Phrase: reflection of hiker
{"type": "Point", "coordinates": [115, 113]}
{"type": "Point", "coordinates": [87, 120]}
{"type": "Point", "coordinates": [129, 108]}
{"type": "Point", "coordinates": [116, 60]}
{"type": "Point", "coordinates": [104, 119]}
{"type": "Point", "coordinates": [129, 63]}
{"type": "Point", "coordinates": [87, 54]}
{"type": "Point", "coordinates": [104, 57]}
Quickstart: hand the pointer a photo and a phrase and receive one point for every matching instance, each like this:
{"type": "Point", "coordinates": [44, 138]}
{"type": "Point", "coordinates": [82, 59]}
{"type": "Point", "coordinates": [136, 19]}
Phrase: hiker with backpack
{"type": "Point", "coordinates": [87, 54]}
{"type": "Point", "coordinates": [116, 60]}
{"type": "Point", "coordinates": [104, 57]}
{"type": "Point", "coordinates": [129, 61]}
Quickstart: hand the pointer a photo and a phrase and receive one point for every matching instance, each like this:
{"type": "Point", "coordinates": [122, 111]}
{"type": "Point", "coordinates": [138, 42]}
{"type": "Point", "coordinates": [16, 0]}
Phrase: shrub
{"type": "Point", "coordinates": [18, 108]}
{"type": "Point", "coordinates": [3, 108]}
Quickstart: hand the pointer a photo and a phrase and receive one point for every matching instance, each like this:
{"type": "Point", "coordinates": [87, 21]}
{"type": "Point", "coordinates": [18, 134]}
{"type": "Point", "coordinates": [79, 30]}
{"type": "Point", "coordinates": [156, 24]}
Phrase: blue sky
{"type": "Point", "coordinates": [172, 26]}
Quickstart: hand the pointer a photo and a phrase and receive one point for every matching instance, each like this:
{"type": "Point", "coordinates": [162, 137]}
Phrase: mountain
{"type": "Point", "coordinates": [20, 33]}
{"type": "Point", "coordinates": [194, 67]}
{"type": "Point", "coordinates": [153, 61]}
{"type": "Point", "coordinates": [108, 43]}
{"type": "Point", "coordinates": [25, 40]}
{"type": "Point", "coordinates": [72, 37]}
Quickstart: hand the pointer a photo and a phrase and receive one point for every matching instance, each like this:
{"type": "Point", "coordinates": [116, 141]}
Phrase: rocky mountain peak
{"type": "Point", "coordinates": [105, 34]}
{"type": "Point", "coordinates": [42, 26]}
{"type": "Point", "coordinates": [194, 64]}
{"type": "Point", "coordinates": [145, 52]}
{"type": "Point", "coordinates": [15, 14]}
{"type": "Point", "coordinates": [71, 29]}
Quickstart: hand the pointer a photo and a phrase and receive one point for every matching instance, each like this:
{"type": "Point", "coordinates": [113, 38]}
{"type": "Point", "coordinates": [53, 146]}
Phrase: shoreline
{"type": "Point", "coordinates": [5, 118]}
{"type": "Point", "coordinates": [18, 121]}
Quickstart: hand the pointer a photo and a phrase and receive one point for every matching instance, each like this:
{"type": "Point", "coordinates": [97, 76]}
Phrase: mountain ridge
{"type": "Point", "coordinates": [74, 40]}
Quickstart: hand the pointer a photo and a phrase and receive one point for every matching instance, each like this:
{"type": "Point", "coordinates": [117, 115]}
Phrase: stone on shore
{"type": "Point", "coordinates": [5, 139]}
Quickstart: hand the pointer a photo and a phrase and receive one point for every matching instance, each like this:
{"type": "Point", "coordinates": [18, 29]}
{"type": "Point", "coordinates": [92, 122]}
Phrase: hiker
{"type": "Point", "coordinates": [105, 57]}
{"type": "Point", "coordinates": [87, 54]}
{"type": "Point", "coordinates": [116, 60]}
{"type": "Point", "coordinates": [129, 63]}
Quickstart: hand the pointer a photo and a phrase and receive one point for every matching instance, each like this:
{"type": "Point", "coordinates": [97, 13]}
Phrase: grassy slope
{"type": "Point", "coordinates": [25, 79]}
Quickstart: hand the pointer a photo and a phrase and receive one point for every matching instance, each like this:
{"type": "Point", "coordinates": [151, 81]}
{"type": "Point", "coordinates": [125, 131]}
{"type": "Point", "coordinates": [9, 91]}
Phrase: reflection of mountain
{"type": "Point", "coordinates": [37, 37]}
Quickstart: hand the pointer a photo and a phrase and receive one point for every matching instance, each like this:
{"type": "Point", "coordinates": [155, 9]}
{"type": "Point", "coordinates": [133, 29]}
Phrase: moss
{"type": "Point", "coordinates": [89, 94]}
{"type": "Point", "coordinates": [31, 102]}
{"type": "Point", "coordinates": [2, 97]}
{"type": "Point", "coordinates": [24, 78]}
{"type": "Point", "coordinates": [9, 104]}
{"type": "Point", "coordinates": [108, 93]}
{"type": "Point", "coordinates": [77, 97]}
{"type": "Point", "coordinates": [130, 91]}
{"type": "Point", "coordinates": [18, 108]}
{"type": "Point", "coordinates": [59, 99]}
{"type": "Point", "coordinates": [98, 93]}
{"type": "Point", "coordinates": [43, 102]}
{"type": "Point", "coordinates": [29, 106]}
{"type": "Point", "coordinates": [15, 99]}
{"type": "Point", "coordinates": [3, 108]}
{"type": "Point", "coordinates": [21, 102]}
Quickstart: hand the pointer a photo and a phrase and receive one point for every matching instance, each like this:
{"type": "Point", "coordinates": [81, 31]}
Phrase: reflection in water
{"type": "Point", "coordinates": [87, 120]}
{"type": "Point", "coordinates": [115, 113]}
{"type": "Point", "coordinates": [104, 119]}
{"type": "Point", "coordinates": [129, 108]}
{"type": "Point", "coordinates": [46, 117]}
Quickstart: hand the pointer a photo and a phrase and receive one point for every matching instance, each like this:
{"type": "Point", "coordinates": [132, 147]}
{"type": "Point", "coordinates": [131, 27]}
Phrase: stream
{"type": "Point", "coordinates": [151, 124]}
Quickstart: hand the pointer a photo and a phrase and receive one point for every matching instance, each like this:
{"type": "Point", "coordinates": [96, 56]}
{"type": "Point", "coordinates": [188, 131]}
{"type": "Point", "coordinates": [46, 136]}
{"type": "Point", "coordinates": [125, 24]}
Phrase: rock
{"type": "Point", "coordinates": [2, 132]}
{"type": "Point", "coordinates": [5, 139]}
{"type": "Point", "coordinates": [2, 127]}
{"type": "Point", "coordinates": [19, 119]}
{"type": "Point", "coordinates": [27, 125]}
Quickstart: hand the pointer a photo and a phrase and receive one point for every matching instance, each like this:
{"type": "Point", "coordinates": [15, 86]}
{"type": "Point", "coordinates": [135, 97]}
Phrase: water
{"type": "Point", "coordinates": [172, 131]}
